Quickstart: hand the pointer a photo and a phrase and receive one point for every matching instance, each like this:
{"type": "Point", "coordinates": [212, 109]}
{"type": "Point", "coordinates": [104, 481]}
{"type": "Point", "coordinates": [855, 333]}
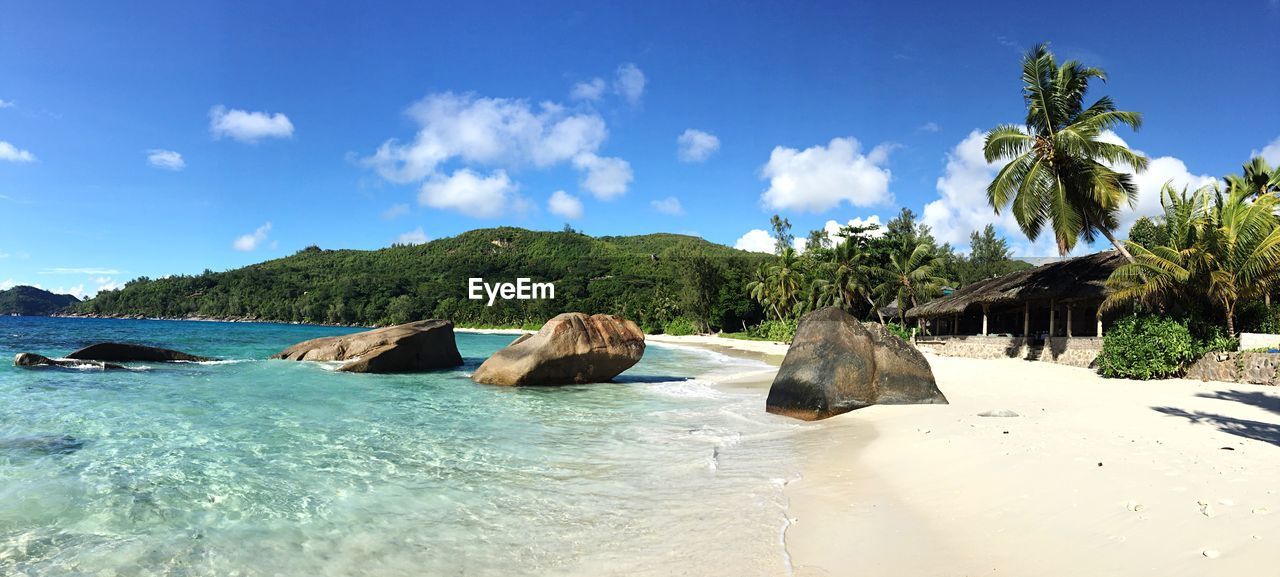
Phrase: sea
{"type": "Point", "coordinates": [246, 466]}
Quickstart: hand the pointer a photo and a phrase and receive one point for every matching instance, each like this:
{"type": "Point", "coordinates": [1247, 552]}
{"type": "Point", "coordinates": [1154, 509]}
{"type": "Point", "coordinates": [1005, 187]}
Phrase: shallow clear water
{"type": "Point", "coordinates": [255, 467]}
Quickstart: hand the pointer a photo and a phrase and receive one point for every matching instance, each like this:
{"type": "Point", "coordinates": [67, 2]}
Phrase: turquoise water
{"type": "Point", "coordinates": [255, 467]}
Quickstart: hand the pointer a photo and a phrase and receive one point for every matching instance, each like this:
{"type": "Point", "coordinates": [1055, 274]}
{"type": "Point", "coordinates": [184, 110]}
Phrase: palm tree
{"type": "Point", "coordinates": [908, 276]}
{"type": "Point", "coordinates": [1257, 177]}
{"type": "Point", "coordinates": [760, 290]}
{"type": "Point", "coordinates": [1221, 246]}
{"type": "Point", "coordinates": [853, 278]}
{"type": "Point", "coordinates": [1162, 275]}
{"type": "Point", "coordinates": [1061, 170]}
{"type": "Point", "coordinates": [785, 280]}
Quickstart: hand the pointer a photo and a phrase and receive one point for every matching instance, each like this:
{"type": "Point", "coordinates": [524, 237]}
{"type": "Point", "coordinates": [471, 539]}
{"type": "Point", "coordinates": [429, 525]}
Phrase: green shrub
{"type": "Point", "coordinates": [681, 326]}
{"type": "Point", "coordinates": [899, 331]}
{"type": "Point", "coordinates": [781, 331]}
{"type": "Point", "coordinates": [1147, 347]}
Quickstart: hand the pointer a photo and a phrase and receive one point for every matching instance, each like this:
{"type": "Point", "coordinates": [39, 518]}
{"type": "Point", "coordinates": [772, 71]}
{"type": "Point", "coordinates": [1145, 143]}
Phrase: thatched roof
{"type": "Point", "coordinates": [1076, 278]}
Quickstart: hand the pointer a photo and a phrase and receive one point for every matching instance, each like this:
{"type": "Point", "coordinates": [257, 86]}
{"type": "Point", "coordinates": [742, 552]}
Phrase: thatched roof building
{"type": "Point", "coordinates": [1081, 278]}
{"type": "Point", "coordinates": [1033, 302]}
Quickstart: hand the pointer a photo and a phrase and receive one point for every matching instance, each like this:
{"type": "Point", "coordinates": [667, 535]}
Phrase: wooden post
{"type": "Point", "coordinates": [1026, 320]}
{"type": "Point", "coordinates": [1053, 317]}
{"type": "Point", "coordinates": [1069, 308]}
{"type": "Point", "coordinates": [955, 325]}
{"type": "Point", "coordinates": [984, 320]}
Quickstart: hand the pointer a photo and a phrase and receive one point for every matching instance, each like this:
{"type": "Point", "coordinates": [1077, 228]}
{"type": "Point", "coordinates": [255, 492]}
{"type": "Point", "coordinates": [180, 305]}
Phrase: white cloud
{"type": "Point", "coordinates": [590, 90]}
{"type": "Point", "coordinates": [6, 103]}
{"type": "Point", "coordinates": [471, 194]}
{"type": "Point", "coordinates": [166, 159]}
{"type": "Point", "coordinates": [696, 146]}
{"type": "Point", "coordinates": [488, 131]}
{"type": "Point", "coordinates": [3, 255]}
{"type": "Point", "coordinates": [605, 178]}
{"type": "Point", "coordinates": [415, 236]}
{"type": "Point", "coordinates": [756, 240]}
{"type": "Point", "coordinates": [669, 205]}
{"type": "Point", "coordinates": [80, 270]}
{"type": "Point", "coordinates": [564, 204]}
{"type": "Point", "coordinates": [7, 284]}
{"type": "Point", "coordinates": [246, 126]}
{"type": "Point", "coordinates": [820, 178]}
{"type": "Point", "coordinates": [253, 240]}
{"type": "Point", "coordinates": [929, 127]}
{"type": "Point", "coordinates": [962, 206]}
{"type": "Point", "coordinates": [395, 211]}
{"type": "Point", "coordinates": [1270, 152]}
{"type": "Point", "coordinates": [12, 153]}
{"type": "Point", "coordinates": [629, 81]}
{"type": "Point", "coordinates": [501, 133]}
{"type": "Point", "coordinates": [1150, 182]}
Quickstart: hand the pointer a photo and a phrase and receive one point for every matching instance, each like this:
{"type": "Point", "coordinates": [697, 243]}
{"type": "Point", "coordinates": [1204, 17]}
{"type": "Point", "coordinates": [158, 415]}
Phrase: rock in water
{"type": "Point", "coordinates": [837, 364]}
{"type": "Point", "coordinates": [32, 360]}
{"type": "Point", "coordinates": [126, 353]}
{"type": "Point", "coordinates": [417, 346]}
{"type": "Point", "coordinates": [571, 348]}
{"type": "Point", "coordinates": [43, 444]}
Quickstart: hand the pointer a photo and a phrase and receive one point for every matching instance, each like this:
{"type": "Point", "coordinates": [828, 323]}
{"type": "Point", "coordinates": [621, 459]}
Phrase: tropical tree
{"type": "Point", "coordinates": [785, 280]}
{"type": "Point", "coordinates": [1061, 170]}
{"type": "Point", "coordinates": [1257, 177]}
{"type": "Point", "coordinates": [908, 277]}
{"type": "Point", "coordinates": [760, 290]}
{"type": "Point", "coordinates": [1220, 246]}
{"type": "Point", "coordinates": [854, 277]}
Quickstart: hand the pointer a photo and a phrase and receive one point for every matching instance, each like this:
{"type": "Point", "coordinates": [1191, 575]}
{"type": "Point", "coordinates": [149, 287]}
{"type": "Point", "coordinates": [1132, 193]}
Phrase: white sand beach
{"type": "Point", "coordinates": [1093, 477]}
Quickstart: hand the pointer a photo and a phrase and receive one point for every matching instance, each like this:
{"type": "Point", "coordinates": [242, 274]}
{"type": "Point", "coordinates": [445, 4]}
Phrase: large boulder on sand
{"type": "Point", "coordinates": [837, 364]}
{"type": "Point", "coordinates": [32, 360]}
{"type": "Point", "coordinates": [127, 353]}
{"type": "Point", "coordinates": [417, 346]}
{"type": "Point", "coordinates": [571, 348]}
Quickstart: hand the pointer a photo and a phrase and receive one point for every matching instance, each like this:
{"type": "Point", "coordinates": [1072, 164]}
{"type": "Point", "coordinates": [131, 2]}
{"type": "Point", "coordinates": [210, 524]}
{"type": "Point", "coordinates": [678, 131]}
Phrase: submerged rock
{"type": "Point", "coordinates": [124, 353]}
{"type": "Point", "coordinates": [32, 360]}
{"type": "Point", "coordinates": [836, 364]}
{"type": "Point", "coordinates": [572, 348]}
{"type": "Point", "coordinates": [417, 346]}
{"type": "Point", "coordinates": [43, 444]}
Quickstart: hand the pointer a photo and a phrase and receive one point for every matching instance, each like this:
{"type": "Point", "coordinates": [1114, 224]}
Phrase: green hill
{"type": "Point", "coordinates": [651, 279]}
{"type": "Point", "coordinates": [31, 301]}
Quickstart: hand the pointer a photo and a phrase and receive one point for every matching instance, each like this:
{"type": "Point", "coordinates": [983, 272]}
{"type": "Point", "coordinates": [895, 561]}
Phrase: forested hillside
{"type": "Point", "coordinates": [31, 301]}
{"type": "Point", "coordinates": [652, 279]}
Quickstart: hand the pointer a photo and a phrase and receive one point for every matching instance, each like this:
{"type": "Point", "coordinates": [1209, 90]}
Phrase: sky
{"type": "Point", "coordinates": [158, 138]}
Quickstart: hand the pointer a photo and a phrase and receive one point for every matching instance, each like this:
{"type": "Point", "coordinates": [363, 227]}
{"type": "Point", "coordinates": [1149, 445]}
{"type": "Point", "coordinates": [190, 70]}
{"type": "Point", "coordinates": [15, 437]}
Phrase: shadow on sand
{"type": "Point", "coordinates": [1249, 429]}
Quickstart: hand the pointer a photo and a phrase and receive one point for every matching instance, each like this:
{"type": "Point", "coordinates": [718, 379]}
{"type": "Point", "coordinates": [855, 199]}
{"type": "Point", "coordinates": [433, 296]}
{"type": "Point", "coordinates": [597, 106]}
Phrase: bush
{"type": "Point", "coordinates": [899, 331]}
{"type": "Point", "coordinates": [781, 331]}
{"type": "Point", "coordinates": [680, 327]}
{"type": "Point", "coordinates": [1147, 347]}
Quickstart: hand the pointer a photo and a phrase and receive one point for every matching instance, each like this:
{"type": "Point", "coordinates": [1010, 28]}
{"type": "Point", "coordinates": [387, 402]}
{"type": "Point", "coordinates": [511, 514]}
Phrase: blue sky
{"type": "Point", "coordinates": [160, 138]}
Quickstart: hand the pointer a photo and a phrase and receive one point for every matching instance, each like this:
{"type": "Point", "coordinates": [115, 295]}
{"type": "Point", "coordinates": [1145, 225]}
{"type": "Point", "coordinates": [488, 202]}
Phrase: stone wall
{"type": "Point", "coordinates": [1252, 341]}
{"type": "Point", "coordinates": [1253, 368]}
{"type": "Point", "coordinates": [1074, 351]}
